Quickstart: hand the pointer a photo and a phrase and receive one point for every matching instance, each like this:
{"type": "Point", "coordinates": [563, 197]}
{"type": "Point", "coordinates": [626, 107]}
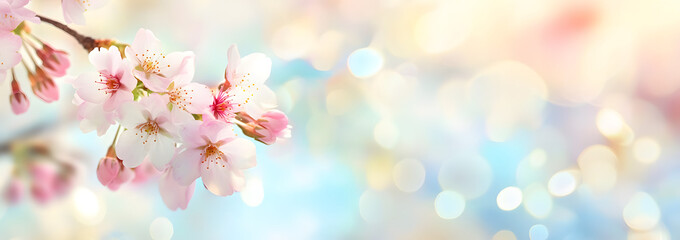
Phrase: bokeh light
{"type": "Point", "coordinates": [449, 204]}
{"type": "Point", "coordinates": [509, 198]}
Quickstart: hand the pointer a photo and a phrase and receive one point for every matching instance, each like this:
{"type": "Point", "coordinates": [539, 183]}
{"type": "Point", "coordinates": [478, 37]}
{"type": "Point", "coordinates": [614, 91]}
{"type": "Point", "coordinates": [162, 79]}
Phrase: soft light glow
{"type": "Point", "coordinates": [87, 206]}
{"type": "Point", "coordinates": [598, 167]}
{"type": "Point", "coordinates": [338, 102]}
{"type": "Point", "coordinates": [504, 235]}
{"type": "Point", "coordinates": [642, 212]}
{"type": "Point", "coordinates": [372, 206]}
{"type": "Point", "coordinates": [253, 193]}
{"type": "Point", "coordinates": [161, 229]}
{"type": "Point", "coordinates": [646, 150]}
{"type": "Point", "coordinates": [537, 201]}
{"type": "Point", "coordinates": [538, 232]}
{"type": "Point", "coordinates": [409, 175]}
{"type": "Point", "coordinates": [469, 175]}
{"type": "Point", "coordinates": [449, 204]}
{"type": "Point", "coordinates": [562, 183]}
{"type": "Point", "coordinates": [509, 198]}
{"type": "Point", "coordinates": [612, 125]}
{"type": "Point", "coordinates": [365, 62]}
{"type": "Point", "coordinates": [386, 134]}
{"type": "Point", "coordinates": [455, 16]}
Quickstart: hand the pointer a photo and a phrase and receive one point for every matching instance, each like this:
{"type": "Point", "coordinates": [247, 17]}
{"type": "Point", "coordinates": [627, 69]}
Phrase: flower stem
{"type": "Point", "coordinates": [87, 42]}
{"type": "Point", "coordinates": [115, 137]}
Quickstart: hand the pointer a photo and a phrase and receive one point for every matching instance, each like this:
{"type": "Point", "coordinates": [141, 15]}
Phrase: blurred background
{"type": "Point", "coordinates": [412, 119]}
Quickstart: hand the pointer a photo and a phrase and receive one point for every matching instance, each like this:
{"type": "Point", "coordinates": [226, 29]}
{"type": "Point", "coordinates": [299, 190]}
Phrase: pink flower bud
{"type": "Point", "coordinates": [267, 129]}
{"type": "Point", "coordinates": [18, 99]}
{"type": "Point", "coordinates": [55, 61]}
{"type": "Point", "coordinates": [111, 172]}
{"type": "Point", "coordinates": [43, 86]}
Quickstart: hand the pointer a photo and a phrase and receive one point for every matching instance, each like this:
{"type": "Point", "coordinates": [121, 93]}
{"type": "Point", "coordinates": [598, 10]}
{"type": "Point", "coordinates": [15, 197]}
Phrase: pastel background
{"type": "Point", "coordinates": [421, 119]}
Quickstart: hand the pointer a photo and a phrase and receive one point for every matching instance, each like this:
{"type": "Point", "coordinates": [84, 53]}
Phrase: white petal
{"type": "Point", "coordinates": [161, 151]}
{"type": "Point", "coordinates": [217, 179]}
{"type": "Point", "coordinates": [255, 68]}
{"type": "Point", "coordinates": [130, 149]}
{"type": "Point", "coordinates": [131, 115]}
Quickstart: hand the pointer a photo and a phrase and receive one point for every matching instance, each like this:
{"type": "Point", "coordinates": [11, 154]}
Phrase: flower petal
{"type": "Point", "coordinates": [217, 179]}
{"type": "Point", "coordinates": [131, 115]}
{"type": "Point", "coordinates": [187, 165]}
{"type": "Point", "coordinates": [175, 195]}
{"type": "Point", "coordinates": [88, 89]}
{"type": "Point", "coordinates": [130, 148]}
{"type": "Point", "coordinates": [161, 151]}
{"type": "Point", "coordinates": [254, 68]}
{"type": "Point", "coordinates": [240, 153]}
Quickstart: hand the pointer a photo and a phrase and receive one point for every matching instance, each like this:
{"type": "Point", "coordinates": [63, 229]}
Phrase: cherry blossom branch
{"type": "Point", "coordinates": [87, 42]}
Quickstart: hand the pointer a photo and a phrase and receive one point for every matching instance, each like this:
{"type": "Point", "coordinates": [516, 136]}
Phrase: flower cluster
{"type": "Point", "coordinates": [183, 129]}
{"type": "Point", "coordinates": [41, 172]}
{"type": "Point", "coordinates": [167, 124]}
{"type": "Point", "coordinates": [44, 62]}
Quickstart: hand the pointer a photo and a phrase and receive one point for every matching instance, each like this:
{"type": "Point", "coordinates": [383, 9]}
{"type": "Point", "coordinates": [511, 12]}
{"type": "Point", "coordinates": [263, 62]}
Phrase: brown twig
{"type": "Point", "coordinates": [87, 42]}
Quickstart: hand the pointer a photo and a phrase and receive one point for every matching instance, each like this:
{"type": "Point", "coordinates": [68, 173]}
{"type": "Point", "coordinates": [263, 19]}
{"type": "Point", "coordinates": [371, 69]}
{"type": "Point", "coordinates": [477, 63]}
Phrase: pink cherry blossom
{"type": "Point", "coordinates": [18, 99]}
{"type": "Point", "coordinates": [93, 117]}
{"type": "Point", "coordinates": [55, 61]}
{"type": "Point", "coordinates": [151, 128]}
{"type": "Point", "coordinates": [212, 151]}
{"type": "Point", "coordinates": [224, 107]}
{"type": "Point", "coordinates": [13, 12]}
{"type": "Point", "coordinates": [155, 69]}
{"type": "Point", "coordinates": [15, 191]}
{"type": "Point", "coordinates": [43, 86]}
{"type": "Point", "coordinates": [113, 82]}
{"type": "Point", "coordinates": [191, 97]}
{"type": "Point", "coordinates": [9, 52]}
{"type": "Point", "coordinates": [111, 172]}
{"type": "Point", "coordinates": [175, 195]}
{"type": "Point", "coordinates": [74, 9]}
{"type": "Point", "coordinates": [244, 88]}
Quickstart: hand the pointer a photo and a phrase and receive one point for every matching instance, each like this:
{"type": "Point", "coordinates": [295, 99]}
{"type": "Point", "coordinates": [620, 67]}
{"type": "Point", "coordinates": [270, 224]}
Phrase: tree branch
{"type": "Point", "coordinates": [87, 42]}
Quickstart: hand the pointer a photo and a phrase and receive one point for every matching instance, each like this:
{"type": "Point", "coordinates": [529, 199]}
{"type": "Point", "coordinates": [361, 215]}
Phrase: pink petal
{"type": "Point", "coordinates": [144, 40]}
{"type": "Point", "coordinates": [117, 99]}
{"type": "Point", "coordinates": [73, 12]}
{"type": "Point", "coordinates": [191, 138]}
{"type": "Point", "coordinates": [88, 89]}
{"type": "Point", "coordinates": [194, 97]}
{"type": "Point", "coordinates": [107, 169]}
{"type": "Point", "coordinates": [216, 131]}
{"type": "Point", "coordinates": [9, 50]}
{"type": "Point", "coordinates": [233, 59]}
{"type": "Point", "coordinates": [240, 153]}
{"type": "Point", "coordinates": [19, 102]}
{"type": "Point", "coordinates": [175, 195]}
{"type": "Point", "coordinates": [186, 166]}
